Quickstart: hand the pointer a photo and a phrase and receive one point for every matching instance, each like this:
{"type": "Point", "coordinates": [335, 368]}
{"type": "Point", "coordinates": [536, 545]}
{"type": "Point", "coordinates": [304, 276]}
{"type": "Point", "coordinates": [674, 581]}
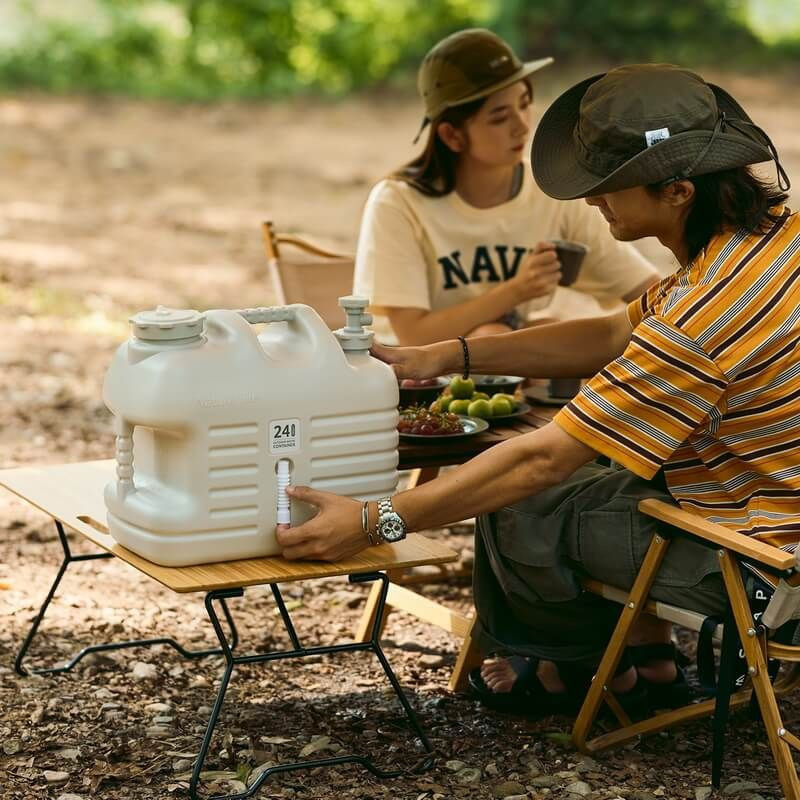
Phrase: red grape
{"type": "Point", "coordinates": [422, 421]}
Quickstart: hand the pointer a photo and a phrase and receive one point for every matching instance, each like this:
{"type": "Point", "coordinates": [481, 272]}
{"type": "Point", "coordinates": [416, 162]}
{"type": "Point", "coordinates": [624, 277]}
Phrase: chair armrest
{"type": "Point", "coordinates": [312, 248]}
{"type": "Point", "coordinates": [272, 240]}
{"type": "Point", "coordinates": [747, 546]}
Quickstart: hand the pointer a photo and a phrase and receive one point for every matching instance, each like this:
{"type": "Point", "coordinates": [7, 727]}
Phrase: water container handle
{"type": "Point", "coordinates": [256, 316]}
{"type": "Point", "coordinates": [124, 456]}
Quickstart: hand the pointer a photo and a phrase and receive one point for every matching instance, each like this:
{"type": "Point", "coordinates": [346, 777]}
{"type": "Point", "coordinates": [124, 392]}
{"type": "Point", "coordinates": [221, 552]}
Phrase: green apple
{"type": "Point", "coordinates": [479, 396]}
{"type": "Point", "coordinates": [444, 402]}
{"type": "Point", "coordinates": [480, 408]}
{"type": "Point", "coordinates": [459, 406]}
{"type": "Point", "coordinates": [501, 406]}
{"type": "Point", "coordinates": [462, 389]}
{"type": "Point", "coordinates": [510, 397]}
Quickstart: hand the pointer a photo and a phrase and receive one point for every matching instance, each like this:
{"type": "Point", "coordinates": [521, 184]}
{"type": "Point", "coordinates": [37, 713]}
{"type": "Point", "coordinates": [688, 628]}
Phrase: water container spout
{"type": "Point", "coordinates": [284, 511]}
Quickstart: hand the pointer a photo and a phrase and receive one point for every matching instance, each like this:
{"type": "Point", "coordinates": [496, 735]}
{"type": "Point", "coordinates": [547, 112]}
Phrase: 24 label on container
{"type": "Point", "coordinates": [284, 435]}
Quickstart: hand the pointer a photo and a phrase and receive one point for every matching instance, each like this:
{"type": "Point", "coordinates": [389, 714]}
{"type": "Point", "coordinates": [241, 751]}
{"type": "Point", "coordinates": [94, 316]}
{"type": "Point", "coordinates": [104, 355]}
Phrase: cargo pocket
{"type": "Point", "coordinates": [686, 564]}
{"type": "Point", "coordinates": [605, 547]}
{"type": "Point", "coordinates": [532, 550]}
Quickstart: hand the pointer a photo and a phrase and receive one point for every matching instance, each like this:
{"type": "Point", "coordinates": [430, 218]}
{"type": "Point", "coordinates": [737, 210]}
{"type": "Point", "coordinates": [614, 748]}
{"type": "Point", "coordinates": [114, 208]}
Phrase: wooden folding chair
{"type": "Point", "coordinates": [304, 272]}
{"type": "Point", "coordinates": [732, 548]}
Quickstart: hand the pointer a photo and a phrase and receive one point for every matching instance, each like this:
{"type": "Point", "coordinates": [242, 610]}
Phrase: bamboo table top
{"type": "Point", "coordinates": [73, 494]}
{"type": "Point", "coordinates": [442, 451]}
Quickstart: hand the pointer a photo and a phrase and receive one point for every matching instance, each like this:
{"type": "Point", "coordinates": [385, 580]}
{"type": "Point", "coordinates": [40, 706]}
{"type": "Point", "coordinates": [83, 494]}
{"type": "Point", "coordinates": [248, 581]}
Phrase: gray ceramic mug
{"type": "Point", "coordinates": [571, 255]}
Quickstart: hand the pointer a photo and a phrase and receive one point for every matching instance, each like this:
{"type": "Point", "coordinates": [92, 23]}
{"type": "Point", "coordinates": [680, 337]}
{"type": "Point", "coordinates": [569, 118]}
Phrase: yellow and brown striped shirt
{"type": "Point", "coordinates": [709, 386]}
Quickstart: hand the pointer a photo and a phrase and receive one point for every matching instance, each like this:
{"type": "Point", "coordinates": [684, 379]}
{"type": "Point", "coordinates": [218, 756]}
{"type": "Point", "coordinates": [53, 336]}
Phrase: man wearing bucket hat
{"type": "Point", "coordinates": [459, 240]}
{"type": "Point", "coordinates": [693, 395]}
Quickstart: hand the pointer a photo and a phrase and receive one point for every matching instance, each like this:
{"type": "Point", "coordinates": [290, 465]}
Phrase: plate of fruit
{"type": "Point", "coordinates": [461, 397]}
{"type": "Point", "coordinates": [419, 422]}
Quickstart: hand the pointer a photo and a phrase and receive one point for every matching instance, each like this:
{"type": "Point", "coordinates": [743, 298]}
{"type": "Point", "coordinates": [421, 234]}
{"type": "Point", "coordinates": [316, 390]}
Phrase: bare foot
{"type": "Point", "coordinates": [499, 675]}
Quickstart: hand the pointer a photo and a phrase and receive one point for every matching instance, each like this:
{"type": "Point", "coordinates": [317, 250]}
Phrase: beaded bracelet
{"type": "Point", "coordinates": [466, 356]}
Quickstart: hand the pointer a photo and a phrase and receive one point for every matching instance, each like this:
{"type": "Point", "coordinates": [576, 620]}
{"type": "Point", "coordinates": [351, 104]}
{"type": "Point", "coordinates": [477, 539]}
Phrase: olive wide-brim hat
{"type": "Point", "coordinates": [467, 66]}
{"type": "Point", "coordinates": [638, 125]}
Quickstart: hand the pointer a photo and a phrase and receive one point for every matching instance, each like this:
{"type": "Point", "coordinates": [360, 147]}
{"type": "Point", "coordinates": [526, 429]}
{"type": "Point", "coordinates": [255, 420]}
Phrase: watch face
{"type": "Point", "coordinates": [392, 528]}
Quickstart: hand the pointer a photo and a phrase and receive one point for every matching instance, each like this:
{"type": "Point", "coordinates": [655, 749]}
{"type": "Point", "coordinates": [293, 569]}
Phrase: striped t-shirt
{"type": "Point", "coordinates": [709, 385]}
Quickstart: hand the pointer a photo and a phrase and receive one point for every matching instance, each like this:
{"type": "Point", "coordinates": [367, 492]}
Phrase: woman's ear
{"type": "Point", "coordinates": [452, 137]}
{"type": "Point", "coordinates": [678, 193]}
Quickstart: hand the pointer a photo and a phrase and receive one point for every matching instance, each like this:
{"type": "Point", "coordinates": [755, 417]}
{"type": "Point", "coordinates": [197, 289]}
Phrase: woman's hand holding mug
{"type": "Point", "coordinates": [538, 274]}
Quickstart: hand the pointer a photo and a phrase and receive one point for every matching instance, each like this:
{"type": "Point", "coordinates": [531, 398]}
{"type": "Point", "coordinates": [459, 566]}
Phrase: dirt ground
{"type": "Point", "coordinates": [108, 207]}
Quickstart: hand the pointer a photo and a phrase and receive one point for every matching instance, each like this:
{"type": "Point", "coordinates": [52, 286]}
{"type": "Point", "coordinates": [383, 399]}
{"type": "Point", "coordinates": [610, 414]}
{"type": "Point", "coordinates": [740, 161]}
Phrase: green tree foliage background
{"type": "Point", "coordinates": [264, 48]}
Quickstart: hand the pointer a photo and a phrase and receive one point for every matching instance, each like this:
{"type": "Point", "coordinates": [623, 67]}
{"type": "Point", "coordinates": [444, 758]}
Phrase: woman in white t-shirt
{"type": "Point", "coordinates": [458, 241]}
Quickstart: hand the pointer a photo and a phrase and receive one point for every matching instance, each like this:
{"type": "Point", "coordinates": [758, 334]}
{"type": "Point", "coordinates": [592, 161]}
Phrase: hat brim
{"type": "Point", "coordinates": [559, 173]}
{"type": "Point", "coordinates": [528, 68]}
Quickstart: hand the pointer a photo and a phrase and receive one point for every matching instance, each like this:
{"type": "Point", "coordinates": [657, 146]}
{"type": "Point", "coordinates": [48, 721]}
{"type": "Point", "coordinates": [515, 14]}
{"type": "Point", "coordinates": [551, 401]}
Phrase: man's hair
{"type": "Point", "coordinates": [433, 172]}
{"type": "Point", "coordinates": [731, 199]}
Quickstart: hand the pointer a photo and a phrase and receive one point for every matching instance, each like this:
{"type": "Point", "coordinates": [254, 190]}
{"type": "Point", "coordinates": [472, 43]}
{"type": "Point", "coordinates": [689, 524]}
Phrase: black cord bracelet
{"type": "Point", "coordinates": [466, 356]}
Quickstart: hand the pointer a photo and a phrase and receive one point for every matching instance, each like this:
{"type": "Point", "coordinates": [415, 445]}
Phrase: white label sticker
{"type": "Point", "coordinates": [284, 435]}
{"type": "Point", "coordinates": [656, 136]}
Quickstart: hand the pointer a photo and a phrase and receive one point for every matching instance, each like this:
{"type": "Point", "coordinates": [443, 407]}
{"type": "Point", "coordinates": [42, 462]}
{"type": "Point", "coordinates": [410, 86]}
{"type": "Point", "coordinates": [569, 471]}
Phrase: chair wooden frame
{"type": "Point", "coordinates": [319, 279]}
{"type": "Point", "coordinates": [731, 549]}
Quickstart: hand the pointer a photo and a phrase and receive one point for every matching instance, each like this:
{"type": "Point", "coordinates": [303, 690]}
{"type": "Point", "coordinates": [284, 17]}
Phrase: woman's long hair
{"type": "Point", "coordinates": [433, 172]}
{"type": "Point", "coordinates": [728, 200]}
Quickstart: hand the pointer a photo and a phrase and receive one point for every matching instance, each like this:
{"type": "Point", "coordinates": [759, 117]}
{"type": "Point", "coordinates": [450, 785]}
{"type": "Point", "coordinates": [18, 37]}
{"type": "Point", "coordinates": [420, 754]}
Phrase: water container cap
{"type": "Point", "coordinates": [162, 324]}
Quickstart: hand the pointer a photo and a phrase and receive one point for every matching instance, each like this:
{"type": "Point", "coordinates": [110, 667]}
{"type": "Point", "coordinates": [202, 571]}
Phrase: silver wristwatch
{"type": "Point", "coordinates": [391, 526]}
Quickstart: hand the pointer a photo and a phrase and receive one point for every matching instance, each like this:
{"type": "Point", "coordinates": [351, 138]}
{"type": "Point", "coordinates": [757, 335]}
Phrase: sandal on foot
{"type": "Point", "coordinates": [675, 694]}
{"type": "Point", "coordinates": [635, 702]}
{"type": "Point", "coordinates": [527, 695]}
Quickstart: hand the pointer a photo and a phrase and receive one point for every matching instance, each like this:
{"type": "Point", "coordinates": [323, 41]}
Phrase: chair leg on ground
{"type": "Point", "coordinates": [469, 657]}
{"type": "Point", "coordinates": [367, 621]}
{"type": "Point", "coordinates": [740, 621]}
{"type": "Point", "coordinates": [779, 738]}
{"type": "Point", "coordinates": [68, 559]}
{"type": "Point", "coordinates": [598, 691]}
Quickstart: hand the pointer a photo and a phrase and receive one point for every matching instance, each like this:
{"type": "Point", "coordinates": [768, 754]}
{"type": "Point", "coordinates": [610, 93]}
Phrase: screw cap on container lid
{"type": "Point", "coordinates": [353, 335]}
{"type": "Point", "coordinates": [162, 323]}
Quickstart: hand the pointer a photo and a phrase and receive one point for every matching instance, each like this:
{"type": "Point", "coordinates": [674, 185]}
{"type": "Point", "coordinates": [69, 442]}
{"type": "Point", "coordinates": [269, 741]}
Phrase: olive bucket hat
{"type": "Point", "coordinates": [467, 66]}
{"type": "Point", "coordinates": [642, 124]}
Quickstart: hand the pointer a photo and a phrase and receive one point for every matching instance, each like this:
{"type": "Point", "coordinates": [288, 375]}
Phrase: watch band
{"type": "Point", "coordinates": [385, 506]}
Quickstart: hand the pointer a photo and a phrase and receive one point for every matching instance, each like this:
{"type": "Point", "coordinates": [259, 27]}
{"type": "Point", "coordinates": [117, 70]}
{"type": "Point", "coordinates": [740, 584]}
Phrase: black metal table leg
{"type": "Point", "coordinates": [298, 651]}
{"type": "Point", "coordinates": [68, 559]}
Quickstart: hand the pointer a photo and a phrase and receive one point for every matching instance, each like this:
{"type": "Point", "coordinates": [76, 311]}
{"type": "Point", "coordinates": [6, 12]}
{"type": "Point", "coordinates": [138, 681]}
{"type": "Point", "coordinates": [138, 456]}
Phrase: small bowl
{"type": "Point", "coordinates": [421, 395]}
{"type": "Point", "coordinates": [491, 384]}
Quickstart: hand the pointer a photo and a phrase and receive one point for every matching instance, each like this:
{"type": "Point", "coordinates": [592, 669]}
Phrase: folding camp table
{"type": "Point", "coordinates": [72, 494]}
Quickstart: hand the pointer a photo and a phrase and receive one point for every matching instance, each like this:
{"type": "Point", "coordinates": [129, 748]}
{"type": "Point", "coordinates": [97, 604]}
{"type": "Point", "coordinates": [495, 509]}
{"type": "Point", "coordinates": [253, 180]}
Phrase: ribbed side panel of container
{"type": "Point", "coordinates": [355, 454]}
{"type": "Point", "coordinates": [233, 474]}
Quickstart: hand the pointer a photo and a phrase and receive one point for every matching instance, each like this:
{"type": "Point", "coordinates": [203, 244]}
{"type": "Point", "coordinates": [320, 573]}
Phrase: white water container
{"type": "Point", "coordinates": [205, 407]}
